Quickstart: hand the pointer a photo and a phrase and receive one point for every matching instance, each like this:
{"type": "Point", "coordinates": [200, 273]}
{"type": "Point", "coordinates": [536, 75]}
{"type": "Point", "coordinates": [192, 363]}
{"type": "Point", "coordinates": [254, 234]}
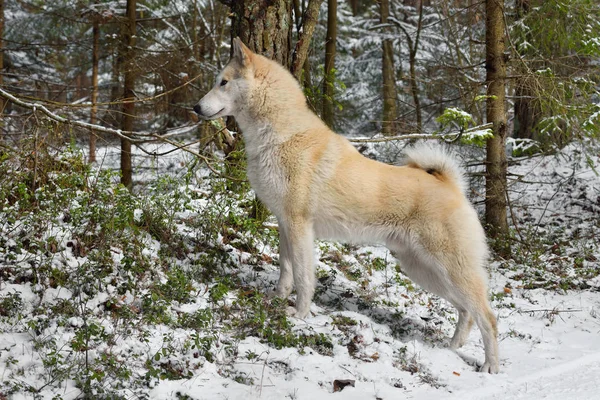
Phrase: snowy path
{"type": "Point", "coordinates": [576, 379]}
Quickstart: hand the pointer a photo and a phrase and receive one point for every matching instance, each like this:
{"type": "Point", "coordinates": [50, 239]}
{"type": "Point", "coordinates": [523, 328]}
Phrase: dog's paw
{"type": "Point", "coordinates": [491, 368]}
{"type": "Point", "coordinates": [456, 343]}
{"type": "Point", "coordinates": [293, 312]}
{"type": "Point", "coordinates": [272, 294]}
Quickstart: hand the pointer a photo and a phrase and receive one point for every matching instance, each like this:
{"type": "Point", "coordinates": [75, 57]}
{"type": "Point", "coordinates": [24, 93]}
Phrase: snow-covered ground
{"type": "Point", "coordinates": [383, 333]}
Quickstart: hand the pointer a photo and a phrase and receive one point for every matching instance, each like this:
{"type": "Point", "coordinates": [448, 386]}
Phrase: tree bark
{"type": "Point", "coordinates": [527, 107]}
{"type": "Point", "coordinates": [496, 163]}
{"type": "Point", "coordinates": [129, 30]}
{"type": "Point", "coordinates": [354, 7]}
{"type": "Point", "coordinates": [413, 74]}
{"type": "Point", "coordinates": [266, 28]}
{"type": "Point", "coordinates": [413, 47]}
{"type": "Point", "coordinates": [94, 110]}
{"type": "Point", "coordinates": [527, 110]}
{"type": "Point", "coordinates": [388, 126]}
{"type": "Point", "coordinates": [328, 79]}
{"type": "Point", "coordinates": [1, 52]}
{"type": "Point", "coordinates": [309, 21]}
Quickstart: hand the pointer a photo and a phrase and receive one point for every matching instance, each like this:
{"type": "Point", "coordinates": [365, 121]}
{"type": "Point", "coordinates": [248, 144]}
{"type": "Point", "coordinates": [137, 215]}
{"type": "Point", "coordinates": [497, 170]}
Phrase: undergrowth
{"type": "Point", "coordinates": [91, 272]}
{"type": "Point", "coordinates": [115, 291]}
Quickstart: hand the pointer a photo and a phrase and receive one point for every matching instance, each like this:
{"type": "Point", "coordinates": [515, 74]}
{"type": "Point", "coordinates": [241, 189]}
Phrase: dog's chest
{"type": "Point", "coordinates": [267, 177]}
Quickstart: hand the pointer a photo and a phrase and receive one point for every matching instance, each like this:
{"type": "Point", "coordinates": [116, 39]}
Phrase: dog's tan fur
{"type": "Point", "coordinates": [319, 186]}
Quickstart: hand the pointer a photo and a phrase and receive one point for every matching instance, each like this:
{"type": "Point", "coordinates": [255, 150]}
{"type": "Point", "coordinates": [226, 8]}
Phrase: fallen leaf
{"type": "Point", "coordinates": [340, 384]}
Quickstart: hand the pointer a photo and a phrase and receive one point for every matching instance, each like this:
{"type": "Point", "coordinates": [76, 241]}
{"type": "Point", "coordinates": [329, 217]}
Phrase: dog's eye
{"type": "Point", "coordinates": [223, 82]}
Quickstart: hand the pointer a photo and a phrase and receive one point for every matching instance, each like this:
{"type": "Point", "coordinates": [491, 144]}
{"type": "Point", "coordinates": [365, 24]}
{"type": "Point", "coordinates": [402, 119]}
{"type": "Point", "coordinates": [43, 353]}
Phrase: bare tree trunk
{"type": "Point", "coordinates": [94, 110]}
{"type": "Point", "coordinates": [496, 165]}
{"type": "Point", "coordinates": [266, 28]}
{"type": "Point", "coordinates": [128, 92]}
{"type": "Point", "coordinates": [1, 51]}
{"type": "Point", "coordinates": [413, 75]}
{"type": "Point", "coordinates": [354, 7]}
{"type": "Point", "coordinates": [388, 126]}
{"type": "Point", "coordinates": [527, 106]}
{"type": "Point", "coordinates": [413, 47]}
{"type": "Point", "coordinates": [114, 114]}
{"type": "Point", "coordinates": [328, 80]}
{"type": "Point", "coordinates": [309, 21]}
{"type": "Point", "coordinates": [527, 109]}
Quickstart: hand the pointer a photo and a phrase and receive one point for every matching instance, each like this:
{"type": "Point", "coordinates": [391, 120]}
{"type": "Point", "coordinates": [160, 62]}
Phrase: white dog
{"type": "Point", "coordinates": [319, 186]}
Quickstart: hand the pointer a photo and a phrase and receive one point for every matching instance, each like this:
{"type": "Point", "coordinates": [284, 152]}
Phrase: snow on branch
{"type": "Point", "coordinates": [448, 137]}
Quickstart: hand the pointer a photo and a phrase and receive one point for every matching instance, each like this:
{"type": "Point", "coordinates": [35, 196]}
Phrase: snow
{"type": "Point", "coordinates": [395, 348]}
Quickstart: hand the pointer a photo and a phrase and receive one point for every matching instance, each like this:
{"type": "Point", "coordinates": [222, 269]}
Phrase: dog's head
{"type": "Point", "coordinates": [232, 86]}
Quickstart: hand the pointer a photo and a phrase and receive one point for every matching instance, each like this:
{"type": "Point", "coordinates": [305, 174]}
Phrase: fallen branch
{"type": "Point", "coordinates": [448, 137]}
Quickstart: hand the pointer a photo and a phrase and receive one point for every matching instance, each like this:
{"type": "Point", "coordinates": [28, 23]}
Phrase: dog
{"type": "Point", "coordinates": [319, 186]}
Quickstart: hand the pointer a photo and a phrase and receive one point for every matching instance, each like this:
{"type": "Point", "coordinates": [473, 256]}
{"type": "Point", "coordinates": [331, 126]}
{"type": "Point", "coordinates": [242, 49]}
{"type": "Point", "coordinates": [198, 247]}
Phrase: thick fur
{"type": "Point", "coordinates": [319, 186]}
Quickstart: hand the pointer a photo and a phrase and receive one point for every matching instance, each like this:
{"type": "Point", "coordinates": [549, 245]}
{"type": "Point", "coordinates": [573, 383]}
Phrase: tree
{"type": "Point", "coordinates": [265, 27]}
{"type": "Point", "coordinates": [329, 72]}
{"type": "Point", "coordinates": [413, 46]}
{"type": "Point", "coordinates": [306, 26]}
{"type": "Point", "coordinates": [527, 108]}
{"type": "Point", "coordinates": [388, 74]}
{"type": "Point", "coordinates": [1, 51]}
{"type": "Point", "coordinates": [95, 19]}
{"type": "Point", "coordinates": [496, 163]}
{"type": "Point", "coordinates": [129, 30]}
{"type": "Point", "coordinates": [555, 70]}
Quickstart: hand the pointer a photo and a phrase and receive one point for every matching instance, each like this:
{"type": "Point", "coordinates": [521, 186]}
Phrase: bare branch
{"type": "Point", "coordinates": [98, 128]}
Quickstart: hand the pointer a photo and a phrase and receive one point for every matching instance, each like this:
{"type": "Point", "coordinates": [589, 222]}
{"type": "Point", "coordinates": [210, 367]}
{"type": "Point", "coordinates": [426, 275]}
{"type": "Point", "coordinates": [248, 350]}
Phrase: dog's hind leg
{"type": "Point", "coordinates": [468, 292]}
{"type": "Point", "coordinates": [286, 277]}
{"type": "Point", "coordinates": [486, 321]}
{"type": "Point", "coordinates": [460, 281]}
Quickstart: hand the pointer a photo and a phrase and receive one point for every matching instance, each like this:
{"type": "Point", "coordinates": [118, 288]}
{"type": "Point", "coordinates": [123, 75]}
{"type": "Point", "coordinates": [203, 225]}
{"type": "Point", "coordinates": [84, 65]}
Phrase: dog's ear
{"type": "Point", "coordinates": [242, 53]}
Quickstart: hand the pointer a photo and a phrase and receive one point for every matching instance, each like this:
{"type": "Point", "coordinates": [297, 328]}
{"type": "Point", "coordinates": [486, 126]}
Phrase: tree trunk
{"type": "Point", "coordinates": [496, 164]}
{"type": "Point", "coordinates": [328, 79]}
{"type": "Point", "coordinates": [527, 110]}
{"type": "Point", "coordinates": [128, 92]}
{"type": "Point", "coordinates": [413, 74]}
{"type": "Point", "coordinates": [1, 52]}
{"type": "Point", "coordinates": [94, 110]}
{"type": "Point", "coordinates": [310, 18]}
{"type": "Point", "coordinates": [389, 77]}
{"type": "Point", "coordinates": [413, 47]}
{"type": "Point", "coordinates": [266, 28]}
{"type": "Point", "coordinates": [354, 7]}
{"type": "Point", "coordinates": [113, 116]}
{"type": "Point", "coordinates": [527, 106]}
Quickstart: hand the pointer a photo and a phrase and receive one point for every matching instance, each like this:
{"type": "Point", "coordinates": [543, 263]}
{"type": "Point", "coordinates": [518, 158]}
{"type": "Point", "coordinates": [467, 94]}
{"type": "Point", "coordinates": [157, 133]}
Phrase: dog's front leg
{"type": "Point", "coordinates": [286, 277]}
{"type": "Point", "coordinates": [300, 238]}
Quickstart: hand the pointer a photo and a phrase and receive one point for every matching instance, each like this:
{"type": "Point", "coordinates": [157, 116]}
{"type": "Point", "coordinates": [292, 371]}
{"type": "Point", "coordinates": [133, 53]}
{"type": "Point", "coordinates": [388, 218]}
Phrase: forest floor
{"type": "Point", "coordinates": [162, 295]}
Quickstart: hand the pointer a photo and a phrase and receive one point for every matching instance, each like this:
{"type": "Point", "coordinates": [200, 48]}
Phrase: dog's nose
{"type": "Point", "coordinates": [197, 109]}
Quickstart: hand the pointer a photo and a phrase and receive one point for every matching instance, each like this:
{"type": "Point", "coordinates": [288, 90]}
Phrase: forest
{"type": "Point", "coordinates": [136, 261]}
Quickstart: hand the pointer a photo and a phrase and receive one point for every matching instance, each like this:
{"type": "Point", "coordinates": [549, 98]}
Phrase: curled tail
{"type": "Point", "coordinates": [435, 159]}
